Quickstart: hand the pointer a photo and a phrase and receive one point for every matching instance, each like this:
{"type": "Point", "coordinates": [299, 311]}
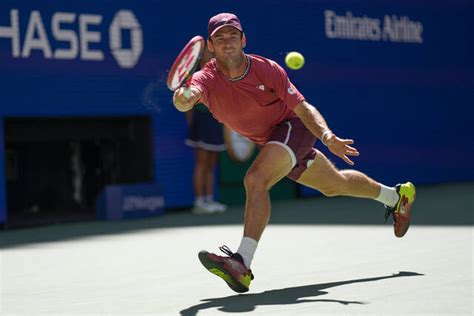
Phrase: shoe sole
{"type": "Point", "coordinates": [217, 268]}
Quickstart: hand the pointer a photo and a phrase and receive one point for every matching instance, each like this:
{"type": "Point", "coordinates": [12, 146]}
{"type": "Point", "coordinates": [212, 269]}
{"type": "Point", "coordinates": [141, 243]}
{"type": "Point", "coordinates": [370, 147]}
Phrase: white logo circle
{"type": "Point", "coordinates": [126, 57]}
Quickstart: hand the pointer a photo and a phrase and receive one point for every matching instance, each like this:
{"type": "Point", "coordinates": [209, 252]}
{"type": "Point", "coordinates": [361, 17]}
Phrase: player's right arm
{"type": "Point", "coordinates": [185, 103]}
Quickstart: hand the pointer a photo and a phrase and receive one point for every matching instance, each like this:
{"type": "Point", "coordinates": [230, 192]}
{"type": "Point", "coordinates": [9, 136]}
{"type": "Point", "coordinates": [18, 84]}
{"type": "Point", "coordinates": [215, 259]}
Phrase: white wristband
{"type": "Point", "coordinates": [325, 136]}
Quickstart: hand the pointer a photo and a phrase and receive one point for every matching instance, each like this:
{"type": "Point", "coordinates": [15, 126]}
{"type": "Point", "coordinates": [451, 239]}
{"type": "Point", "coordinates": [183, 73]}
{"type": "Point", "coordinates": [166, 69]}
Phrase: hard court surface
{"type": "Point", "coordinates": [318, 256]}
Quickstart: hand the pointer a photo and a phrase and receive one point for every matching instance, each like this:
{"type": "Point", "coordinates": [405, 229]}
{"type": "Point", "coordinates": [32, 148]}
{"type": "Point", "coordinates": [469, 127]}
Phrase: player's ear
{"type": "Point", "coordinates": [210, 46]}
{"type": "Point", "coordinates": [244, 40]}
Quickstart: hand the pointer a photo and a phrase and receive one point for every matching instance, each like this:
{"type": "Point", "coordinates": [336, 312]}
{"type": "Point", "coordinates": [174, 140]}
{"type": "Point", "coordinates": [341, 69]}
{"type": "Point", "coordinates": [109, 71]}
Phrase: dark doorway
{"type": "Point", "coordinates": [56, 167]}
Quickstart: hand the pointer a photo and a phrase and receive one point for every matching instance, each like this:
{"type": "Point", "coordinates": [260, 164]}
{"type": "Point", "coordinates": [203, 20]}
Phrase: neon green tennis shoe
{"type": "Point", "coordinates": [231, 269]}
{"type": "Point", "coordinates": [401, 212]}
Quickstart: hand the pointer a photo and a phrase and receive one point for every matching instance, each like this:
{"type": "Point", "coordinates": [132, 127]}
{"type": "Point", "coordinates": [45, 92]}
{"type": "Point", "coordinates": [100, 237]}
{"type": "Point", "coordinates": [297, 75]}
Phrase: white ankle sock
{"type": "Point", "coordinates": [388, 196]}
{"type": "Point", "coordinates": [209, 198]}
{"type": "Point", "coordinates": [247, 250]}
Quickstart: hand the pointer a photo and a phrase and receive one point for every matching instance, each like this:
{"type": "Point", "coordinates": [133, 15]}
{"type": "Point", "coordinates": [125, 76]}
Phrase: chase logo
{"type": "Point", "coordinates": [75, 36]}
{"type": "Point", "coordinates": [126, 57]}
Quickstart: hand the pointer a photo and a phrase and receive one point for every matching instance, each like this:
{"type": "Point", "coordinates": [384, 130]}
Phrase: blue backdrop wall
{"type": "Point", "coordinates": [394, 75]}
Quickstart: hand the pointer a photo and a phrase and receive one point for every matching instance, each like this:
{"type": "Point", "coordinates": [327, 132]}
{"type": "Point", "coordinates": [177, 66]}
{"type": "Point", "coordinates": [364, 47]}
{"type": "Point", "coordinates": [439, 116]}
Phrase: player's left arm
{"type": "Point", "coordinates": [312, 119]}
{"type": "Point", "coordinates": [315, 122]}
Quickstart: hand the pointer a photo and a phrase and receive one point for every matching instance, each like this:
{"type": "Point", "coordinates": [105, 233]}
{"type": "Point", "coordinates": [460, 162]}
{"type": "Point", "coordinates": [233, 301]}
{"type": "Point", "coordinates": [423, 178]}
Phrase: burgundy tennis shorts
{"type": "Point", "coordinates": [298, 141]}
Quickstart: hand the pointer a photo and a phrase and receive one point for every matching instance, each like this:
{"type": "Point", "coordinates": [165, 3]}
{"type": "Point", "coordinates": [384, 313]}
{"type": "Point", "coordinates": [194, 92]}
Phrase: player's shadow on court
{"type": "Point", "coordinates": [286, 296]}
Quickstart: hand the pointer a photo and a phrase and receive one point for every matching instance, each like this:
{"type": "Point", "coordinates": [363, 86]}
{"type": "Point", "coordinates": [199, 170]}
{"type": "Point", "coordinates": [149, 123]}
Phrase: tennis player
{"type": "Point", "coordinates": [253, 96]}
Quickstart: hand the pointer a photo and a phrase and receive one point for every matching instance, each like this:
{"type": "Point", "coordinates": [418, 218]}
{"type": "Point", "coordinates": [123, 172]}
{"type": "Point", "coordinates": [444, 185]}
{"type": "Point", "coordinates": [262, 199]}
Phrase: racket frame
{"type": "Point", "coordinates": [187, 73]}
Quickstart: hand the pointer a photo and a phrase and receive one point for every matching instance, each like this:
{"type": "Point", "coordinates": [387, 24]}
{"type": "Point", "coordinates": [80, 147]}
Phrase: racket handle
{"type": "Point", "coordinates": [187, 92]}
{"type": "Point", "coordinates": [187, 87]}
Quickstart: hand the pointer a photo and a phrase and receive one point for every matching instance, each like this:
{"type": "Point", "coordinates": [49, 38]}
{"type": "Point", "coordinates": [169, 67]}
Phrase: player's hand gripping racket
{"type": "Point", "coordinates": [185, 65]}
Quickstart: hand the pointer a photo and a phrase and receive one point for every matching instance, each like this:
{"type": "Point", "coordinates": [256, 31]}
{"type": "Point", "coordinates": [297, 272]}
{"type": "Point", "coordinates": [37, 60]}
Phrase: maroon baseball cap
{"type": "Point", "coordinates": [222, 19]}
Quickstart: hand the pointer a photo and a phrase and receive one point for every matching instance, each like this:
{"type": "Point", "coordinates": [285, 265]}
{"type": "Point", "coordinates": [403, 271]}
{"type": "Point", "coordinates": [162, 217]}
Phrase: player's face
{"type": "Point", "coordinates": [227, 43]}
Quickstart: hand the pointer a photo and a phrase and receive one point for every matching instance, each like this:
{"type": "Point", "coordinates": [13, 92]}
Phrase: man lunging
{"type": "Point", "coordinates": [253, 96]}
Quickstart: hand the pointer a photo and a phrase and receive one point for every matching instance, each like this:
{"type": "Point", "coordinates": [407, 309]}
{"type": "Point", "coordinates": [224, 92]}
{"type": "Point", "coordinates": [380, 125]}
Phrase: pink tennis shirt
{"type": "Point", "coordinates": [252, 105]}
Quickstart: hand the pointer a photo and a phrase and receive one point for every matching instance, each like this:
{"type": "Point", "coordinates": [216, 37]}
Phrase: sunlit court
{"type": "Point", "coordinates": [318, 256]}
{"type": "Point", "coordinates": [236, 157]}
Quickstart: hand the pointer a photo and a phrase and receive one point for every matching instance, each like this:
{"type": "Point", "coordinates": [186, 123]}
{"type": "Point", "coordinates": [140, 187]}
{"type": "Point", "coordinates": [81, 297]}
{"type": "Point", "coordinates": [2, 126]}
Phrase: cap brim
{"type": "Point", "coordinates": [219, 27]}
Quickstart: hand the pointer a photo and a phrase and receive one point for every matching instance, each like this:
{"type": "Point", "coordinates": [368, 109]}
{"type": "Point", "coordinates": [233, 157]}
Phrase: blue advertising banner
{"type": "Point", "coordinates": [396, 76]}
{"type": "Point", "coordinates": [130, 201]}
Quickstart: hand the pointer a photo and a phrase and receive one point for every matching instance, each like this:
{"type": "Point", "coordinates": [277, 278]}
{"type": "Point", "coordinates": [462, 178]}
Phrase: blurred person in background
{"type": "Point", "coordinates": [205, 135]}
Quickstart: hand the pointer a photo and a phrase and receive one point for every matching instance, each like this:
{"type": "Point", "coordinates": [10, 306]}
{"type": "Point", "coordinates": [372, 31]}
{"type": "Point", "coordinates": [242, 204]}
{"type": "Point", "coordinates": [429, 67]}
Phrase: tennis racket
{"type": "Point", "coordinates": [185, 65]}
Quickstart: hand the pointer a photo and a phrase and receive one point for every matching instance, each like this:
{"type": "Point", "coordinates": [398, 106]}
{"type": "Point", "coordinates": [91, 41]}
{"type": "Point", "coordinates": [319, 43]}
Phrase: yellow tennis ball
{"type": "Point", "coordinates": [294, 60]}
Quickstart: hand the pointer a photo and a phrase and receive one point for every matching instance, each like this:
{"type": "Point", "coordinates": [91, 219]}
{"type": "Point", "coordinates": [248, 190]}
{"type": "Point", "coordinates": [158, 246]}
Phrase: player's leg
{"type": "Point", "coordinates": [323, 176]}
{"type": "Point", "coordinates": [314, 170]}
{"type": "Point", "coordinates": [277, 159]}
{"type": "Point", "coordinates": [271, 164]}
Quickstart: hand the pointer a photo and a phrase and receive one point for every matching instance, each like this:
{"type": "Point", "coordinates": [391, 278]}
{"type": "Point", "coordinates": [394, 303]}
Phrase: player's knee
{"type": "Point", "coordinates": [254, 180]}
